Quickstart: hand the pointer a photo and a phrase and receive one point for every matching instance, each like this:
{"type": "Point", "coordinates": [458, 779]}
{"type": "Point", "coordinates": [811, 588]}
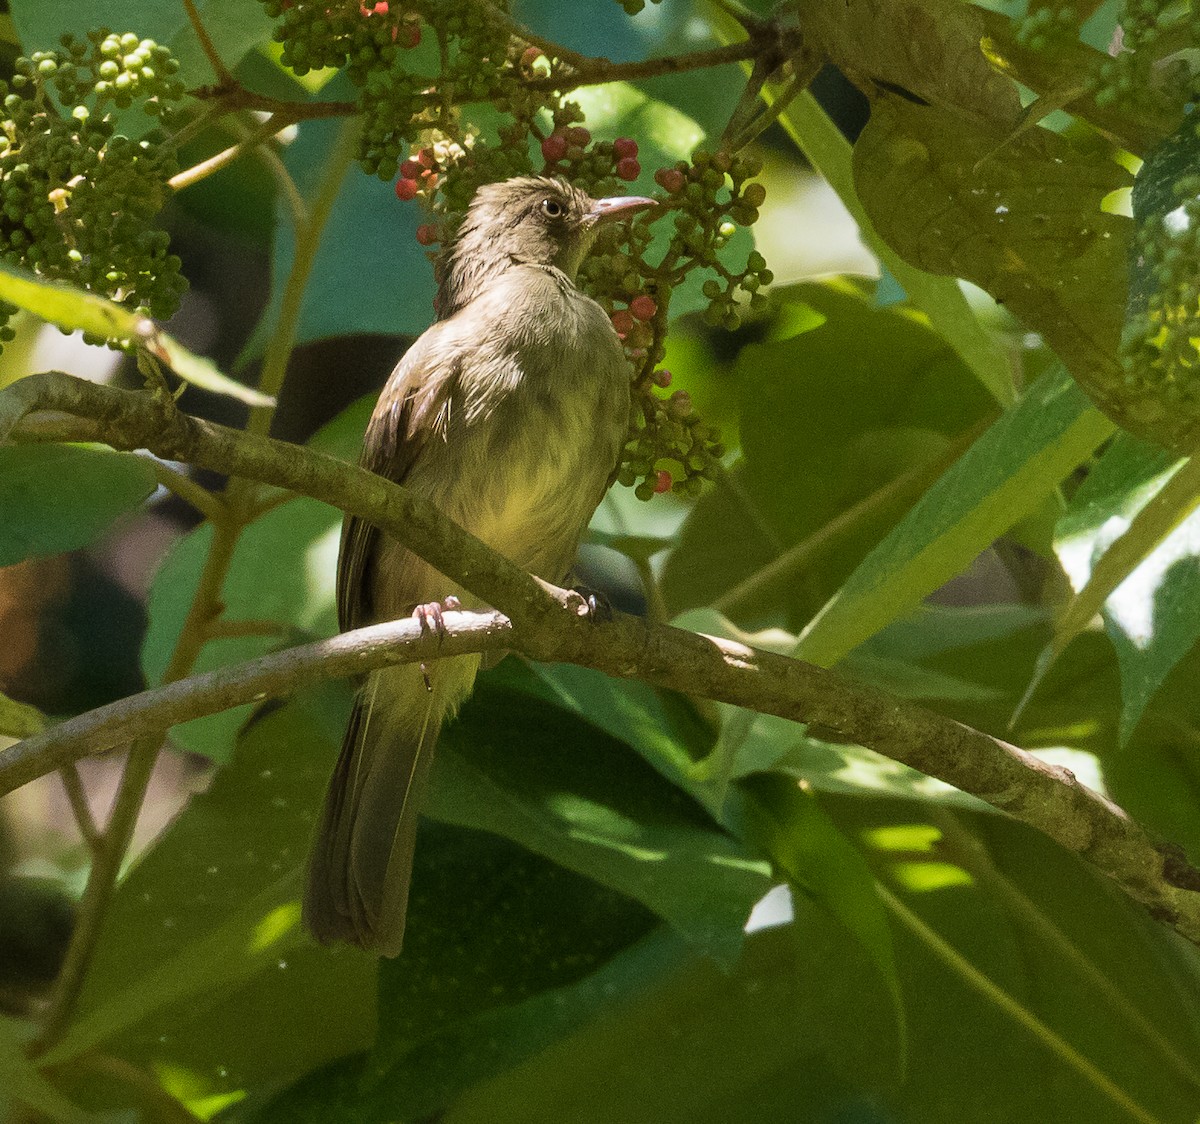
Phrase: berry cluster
{"type": "Point", "coordinates": [78, 197]}
{"type": "Point", "coordinates": [1048, 24]}
{"type": "Point", "coordinates": [1149, 69]}
{"type": "Point", "coordinates": [374, 42]}
{"type": "Point", "coordinates": [1160, 348]}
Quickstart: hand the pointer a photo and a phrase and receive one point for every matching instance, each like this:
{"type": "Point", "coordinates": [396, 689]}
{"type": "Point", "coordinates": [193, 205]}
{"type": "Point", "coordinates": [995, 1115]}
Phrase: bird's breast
{"type": "Point", "coordinates": [536, 433]}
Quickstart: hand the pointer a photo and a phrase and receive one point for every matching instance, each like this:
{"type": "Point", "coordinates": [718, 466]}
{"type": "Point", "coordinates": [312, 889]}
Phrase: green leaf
{"type": "Point", "coordinates": [201, 965]}
{"type": "Point", "coordinates": [830, 464]}
{"type": "Point", "coordinates": [416, 1078]}
{"type": "Point", "coordinates": [21, 1084]}
{"type": "Point", "coordinates": [281, 576]}
{"type": "Point", "coordinates": [548, 929]}
{"type": "Point", "coordinates": [939, 298]}
{"type": "Point", "coordinates": [1130, 543]}
{"type": "Point", "coordinates": [778, 1038]}
{"type": "Point", "coordinates": [819, 860]}
{"type": "Point", "coordinates": [63, 497]}
{"type": "Point", "coordinates": [78, 310]}
{"type": "Point", "coordinates": [563, 788]}
{"type": "Point", "coordinates": [67, 306]}
{"type": "Point", "coordinates": [929, 48]}
{"type": "Point", "coordinates": [203, 372]}
{"type": "Point", "coordinates": [1001, 478]}
{"type": "Point", "coordinates": [1019, 216]}
{"type": "Point", "coordinates": [18, 720]}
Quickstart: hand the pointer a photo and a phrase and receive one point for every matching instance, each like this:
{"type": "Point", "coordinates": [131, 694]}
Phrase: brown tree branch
{"type": "Point", "coordinates": [545, 626]}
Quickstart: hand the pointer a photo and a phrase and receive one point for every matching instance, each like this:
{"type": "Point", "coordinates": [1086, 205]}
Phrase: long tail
{"type": "Point", "coordinates": [362, 856]}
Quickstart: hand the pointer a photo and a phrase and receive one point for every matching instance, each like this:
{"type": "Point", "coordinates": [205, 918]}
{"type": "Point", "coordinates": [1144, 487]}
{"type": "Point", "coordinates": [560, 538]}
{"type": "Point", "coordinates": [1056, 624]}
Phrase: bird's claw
{"type": "Point", "coordinates": [593, 604]}
{"type": "Point", "coordinates": [429, 616]}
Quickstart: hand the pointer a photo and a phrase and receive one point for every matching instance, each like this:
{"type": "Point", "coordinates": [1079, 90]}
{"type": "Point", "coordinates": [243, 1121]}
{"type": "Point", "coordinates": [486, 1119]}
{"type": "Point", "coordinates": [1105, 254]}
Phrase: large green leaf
{"type": "Point", "coordinates": [777, 1039]}
{"type": "Point", "coordinates": [1004, 476]}
{"type": "Point", "coordinates": [1149, 615]}
{"type": "Point", "coordinates": [820, 861]}
{"type": "Point", "coordinates": [1021, 216]}
{"type": "Point", "coordinates": [841, 400]}
{"type": "Point", "coordinates": [434, 1047]}
{"type": "Point", "coordinates": [62, 497]}
{"type": "Point", "coordinates": [563, 788]}
{"type": "Point", "coordinates": [929, 48]}
{"type": "Point", "coordinates": [940, 298]}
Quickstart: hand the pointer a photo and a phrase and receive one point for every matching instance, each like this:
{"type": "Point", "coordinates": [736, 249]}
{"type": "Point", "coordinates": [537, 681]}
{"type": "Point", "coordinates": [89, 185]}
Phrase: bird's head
{"type": "Point", "coordinates": [531, 219]}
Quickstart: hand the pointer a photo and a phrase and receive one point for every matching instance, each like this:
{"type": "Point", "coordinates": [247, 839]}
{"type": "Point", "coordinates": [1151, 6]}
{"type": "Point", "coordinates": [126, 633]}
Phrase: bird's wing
{"type": "Point", "coordinates": [413, 407]}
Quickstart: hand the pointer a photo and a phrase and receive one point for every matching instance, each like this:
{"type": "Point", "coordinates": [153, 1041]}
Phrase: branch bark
{"type": "Point", "coordinates": [544, 623]}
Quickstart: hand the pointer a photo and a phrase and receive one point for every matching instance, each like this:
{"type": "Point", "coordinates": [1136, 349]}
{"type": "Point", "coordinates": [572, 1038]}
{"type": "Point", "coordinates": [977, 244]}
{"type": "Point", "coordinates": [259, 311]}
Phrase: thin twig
{"type": "Point", "coordinates": [224, 77]}
{"type": "Point", "coordinates": [517, 30]}
{"type": "Point", "coordinates": [209, 504]}
{"type": "Point", "coordinates": [599, 71]}
{"type": "Point", "coordinates": [224, 629]}
{"type": "Point", "coordinates": [271, 127]}
{"type": "Point", "coordinates": [80, 808]}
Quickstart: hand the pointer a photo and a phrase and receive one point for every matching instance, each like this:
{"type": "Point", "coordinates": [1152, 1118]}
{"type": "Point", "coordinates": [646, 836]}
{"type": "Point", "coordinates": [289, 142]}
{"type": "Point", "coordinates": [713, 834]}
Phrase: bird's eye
{"type": "Point", "coordinates": [552, 208]}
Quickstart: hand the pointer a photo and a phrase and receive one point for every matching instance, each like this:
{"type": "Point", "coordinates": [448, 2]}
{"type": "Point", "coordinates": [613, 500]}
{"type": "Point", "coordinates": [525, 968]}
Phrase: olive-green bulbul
{"type": "Point", "coordinates": [509, 414]}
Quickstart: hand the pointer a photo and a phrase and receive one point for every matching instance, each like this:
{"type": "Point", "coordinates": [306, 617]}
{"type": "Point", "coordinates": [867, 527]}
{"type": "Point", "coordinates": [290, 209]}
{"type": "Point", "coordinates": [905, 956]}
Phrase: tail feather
{"type": "Point", "coordinates": [362, 858]}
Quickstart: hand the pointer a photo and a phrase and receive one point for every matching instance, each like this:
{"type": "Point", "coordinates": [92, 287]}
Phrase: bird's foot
{"type": "Point", "coordinates": [593, 604]}
{"type": "Point", "coordinates": [429, 616]}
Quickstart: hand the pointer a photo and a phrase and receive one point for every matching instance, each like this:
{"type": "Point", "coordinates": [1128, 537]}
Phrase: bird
{"type": "Point", "coordinates": [509, 413]}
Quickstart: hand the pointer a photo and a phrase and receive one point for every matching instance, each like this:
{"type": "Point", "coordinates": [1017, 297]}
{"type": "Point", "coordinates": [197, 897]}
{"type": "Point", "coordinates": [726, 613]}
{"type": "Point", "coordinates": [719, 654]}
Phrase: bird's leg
{"type": "Point", "coordinates": [596, 605]}
{"type": "Point", "coordinates": [429, 615]}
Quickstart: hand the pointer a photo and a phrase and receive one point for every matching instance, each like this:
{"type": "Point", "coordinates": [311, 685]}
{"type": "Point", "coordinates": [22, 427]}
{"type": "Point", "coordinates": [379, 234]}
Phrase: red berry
{"type": "Point", "coordinates": [580, 136]}
{"type": "Point", "coordinates": [378, 9]}
{"type": "Point", "coordinates": [670, 180]}
{"type": "Point", "coordinates": [628, 168]}
{"type": "Point", "coordinates": [662, 482]}
{"type": "Point", "coordinates": [554, 148]}
{"type": "Point", "coordinates": [427, 234]}
{"type": "Point", "coordinates": [622, 320]}
{"type": "Point", "coordinates": [530, 56]}
{"type": "Point", "coordinates": [410, 169]}
{"type": "Point", "coordinates": [425, 158]}
{"type": "Point", "coordinates": [406, 189]}
{"type": "Point", "coordinates": [643, 307]}
{"type": "Point", "coordinates": [623, 147]}
{"type": "Point", "coordinates": [662, 378]}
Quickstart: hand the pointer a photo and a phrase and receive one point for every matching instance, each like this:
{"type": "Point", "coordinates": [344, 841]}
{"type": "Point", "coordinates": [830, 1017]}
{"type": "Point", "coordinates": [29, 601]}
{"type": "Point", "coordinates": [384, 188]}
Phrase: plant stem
{"type": "Point", "coordinates": [80, 809]}
{"type": "Point", "coordinates": [307, 242]}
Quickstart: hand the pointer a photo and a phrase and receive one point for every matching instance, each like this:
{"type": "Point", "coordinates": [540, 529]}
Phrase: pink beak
{"type": "Point", "coordinates": [617, 207]}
